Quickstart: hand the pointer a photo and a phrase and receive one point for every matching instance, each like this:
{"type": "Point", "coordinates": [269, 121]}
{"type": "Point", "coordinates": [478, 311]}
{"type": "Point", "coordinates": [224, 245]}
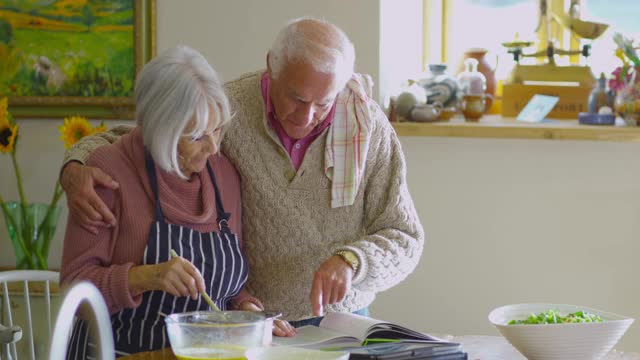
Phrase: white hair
{"type": "Point", "coordinates": [317, 42]}
{"type": "Point", "coordinates": [172, 89]}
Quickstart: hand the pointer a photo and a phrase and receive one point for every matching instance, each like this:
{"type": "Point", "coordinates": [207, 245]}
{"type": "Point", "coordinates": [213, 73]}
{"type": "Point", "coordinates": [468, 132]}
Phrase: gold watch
{"type": "Point", "coordinates": [350, 258]}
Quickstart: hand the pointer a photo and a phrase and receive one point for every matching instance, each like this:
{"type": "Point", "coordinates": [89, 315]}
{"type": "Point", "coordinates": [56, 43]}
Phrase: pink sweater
{"type": "Point", "coordinates": [105, 258]}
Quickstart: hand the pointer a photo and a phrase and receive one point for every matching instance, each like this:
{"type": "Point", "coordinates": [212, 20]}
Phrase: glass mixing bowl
{"type": "Point", "coordinates": [218, 334]}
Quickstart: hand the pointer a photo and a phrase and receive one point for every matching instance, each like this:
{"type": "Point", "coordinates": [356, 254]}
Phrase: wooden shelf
{"type": "Point", "coordinates": [493, 126]}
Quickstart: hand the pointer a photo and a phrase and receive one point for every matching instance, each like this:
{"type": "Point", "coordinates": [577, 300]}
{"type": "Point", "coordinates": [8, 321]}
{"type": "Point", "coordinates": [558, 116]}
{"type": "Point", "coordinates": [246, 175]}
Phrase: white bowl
{"type": "Point", "coordinates": [293, 353]}
{"type": "Point", "coordinates": [575, 341]}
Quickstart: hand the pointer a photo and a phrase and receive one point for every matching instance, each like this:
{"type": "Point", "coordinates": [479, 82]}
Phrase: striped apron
{"type": "Point", "coordinates": [216, 255]}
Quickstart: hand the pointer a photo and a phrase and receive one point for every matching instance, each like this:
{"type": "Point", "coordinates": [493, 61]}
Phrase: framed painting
{"type": "Point", "coordinates": [74, 57]}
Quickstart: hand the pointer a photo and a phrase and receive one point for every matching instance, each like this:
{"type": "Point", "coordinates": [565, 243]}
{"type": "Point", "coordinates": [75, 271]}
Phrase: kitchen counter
{"type": "Point", "coordinates": [478, 348]}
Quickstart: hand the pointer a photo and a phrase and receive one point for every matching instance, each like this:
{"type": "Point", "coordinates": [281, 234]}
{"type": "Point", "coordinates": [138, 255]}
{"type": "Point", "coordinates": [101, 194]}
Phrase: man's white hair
{"type": "Point", "coordinates": [177, 86]}
{"type": "Point", "coordinates": [317, 42]}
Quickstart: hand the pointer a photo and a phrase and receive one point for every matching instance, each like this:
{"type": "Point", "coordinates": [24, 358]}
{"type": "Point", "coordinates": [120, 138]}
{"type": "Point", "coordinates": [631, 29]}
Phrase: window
{"type": "Point", "coordinates": [453, 26]}
{"type": "Point", "coordinates": [622, 15]}
{"type": "Point", "coordinates": [466, 24]}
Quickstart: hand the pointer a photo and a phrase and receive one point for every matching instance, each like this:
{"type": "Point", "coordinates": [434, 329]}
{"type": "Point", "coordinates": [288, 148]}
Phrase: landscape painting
{"type": "Point", "coordinates": [73, 52]}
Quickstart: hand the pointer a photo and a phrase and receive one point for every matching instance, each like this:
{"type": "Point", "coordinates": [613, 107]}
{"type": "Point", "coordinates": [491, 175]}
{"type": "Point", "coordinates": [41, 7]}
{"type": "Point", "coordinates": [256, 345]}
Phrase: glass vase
{"type": "Point", "coordinates": [627, 101]}
{"type": "Point", "coordinates": [31, 232]}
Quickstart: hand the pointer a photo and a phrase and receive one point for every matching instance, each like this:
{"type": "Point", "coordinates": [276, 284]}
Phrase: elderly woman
{"type": "Point", "coordinates": [177, 192]}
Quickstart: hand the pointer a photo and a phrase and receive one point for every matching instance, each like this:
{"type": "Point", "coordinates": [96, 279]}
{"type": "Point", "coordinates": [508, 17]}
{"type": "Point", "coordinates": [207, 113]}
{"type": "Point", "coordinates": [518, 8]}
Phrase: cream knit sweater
{"type": "Point", "coordinates": [289, 225]}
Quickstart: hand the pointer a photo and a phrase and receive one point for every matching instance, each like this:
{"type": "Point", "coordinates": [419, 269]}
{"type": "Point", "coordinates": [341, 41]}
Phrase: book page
{"type": "Point", "coordinates": [351, 324]}
{"type": "Point", "coordinates": [392, 331]}
{"type": "Point", "coordinates": [363, 327]}
{"type": "Point", "coordinates": [316, 337]}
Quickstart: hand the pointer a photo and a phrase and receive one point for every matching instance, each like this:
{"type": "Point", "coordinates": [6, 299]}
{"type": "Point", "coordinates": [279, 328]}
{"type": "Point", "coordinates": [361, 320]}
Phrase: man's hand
{"type": "Point", "coordinates": [79, 182]}
{"type": "Point", "coordinates": [330, 283]}
{"type": "Point", "coordinates": [280, 327]}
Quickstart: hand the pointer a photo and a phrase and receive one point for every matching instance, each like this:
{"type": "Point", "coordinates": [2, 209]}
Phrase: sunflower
{"type": "Point", "coordinates": [8, 135]}
{"type": "Point", "coordinates": [74, 129]}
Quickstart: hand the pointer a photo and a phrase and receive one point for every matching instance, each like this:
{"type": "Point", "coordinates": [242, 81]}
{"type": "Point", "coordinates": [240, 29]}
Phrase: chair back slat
{"type": "Point", "coordinates": [47, 299]}
{"type": "Point", "coordinates": [7, 310]}
{"type": "Point", "coordinates": [27, 302]}
{"type": "Point", "coordinates": [7, 302]}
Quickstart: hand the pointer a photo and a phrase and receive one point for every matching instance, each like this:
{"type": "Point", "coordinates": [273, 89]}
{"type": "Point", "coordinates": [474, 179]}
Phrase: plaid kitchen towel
{"type": "Point", "coordinates": [348, 140]}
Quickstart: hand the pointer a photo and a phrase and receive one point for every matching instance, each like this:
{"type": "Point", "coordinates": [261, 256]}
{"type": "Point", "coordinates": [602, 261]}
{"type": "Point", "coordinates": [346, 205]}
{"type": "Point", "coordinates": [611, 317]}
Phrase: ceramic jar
{"type": "Point", "coordinates": [483, 67]}
{"type": "Point", "coordinates": [440, 86]}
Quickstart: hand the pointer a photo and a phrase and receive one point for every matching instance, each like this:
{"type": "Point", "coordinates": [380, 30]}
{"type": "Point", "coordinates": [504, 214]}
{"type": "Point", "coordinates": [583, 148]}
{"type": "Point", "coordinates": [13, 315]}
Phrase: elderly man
{"type": "Point", "coordinates": [328, 219]}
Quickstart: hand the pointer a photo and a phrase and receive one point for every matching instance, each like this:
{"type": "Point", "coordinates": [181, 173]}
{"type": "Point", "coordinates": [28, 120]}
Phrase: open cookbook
{"type": "Point", "coordinates": [345, 329]}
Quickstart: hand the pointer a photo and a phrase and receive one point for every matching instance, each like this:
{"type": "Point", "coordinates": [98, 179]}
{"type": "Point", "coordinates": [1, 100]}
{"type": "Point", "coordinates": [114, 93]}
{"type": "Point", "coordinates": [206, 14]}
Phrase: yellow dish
{"type": "Point", "coordinates": [217, 352]}
{"type": "Point", "coordinates": [517, 44]}
{"type": "Point", "coordinates": [586, 29]}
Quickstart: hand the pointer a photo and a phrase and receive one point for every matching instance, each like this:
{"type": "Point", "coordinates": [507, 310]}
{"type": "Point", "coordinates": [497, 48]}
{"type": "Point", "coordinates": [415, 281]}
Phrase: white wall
{"type": "Point", "coordinates": [510, 221]}
{"type": "Point", "coordinates": [235, 35]}
{"type": "Point", "coordinates": [507, 220]}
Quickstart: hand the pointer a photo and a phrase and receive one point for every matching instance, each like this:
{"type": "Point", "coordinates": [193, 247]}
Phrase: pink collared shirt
{"type": "Point", "coordinates": [296, 148]}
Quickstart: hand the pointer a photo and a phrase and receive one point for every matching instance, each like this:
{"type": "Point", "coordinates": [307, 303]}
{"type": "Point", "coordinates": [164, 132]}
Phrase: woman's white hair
{"type": "Point", "coordinates": [174, 88]}
{"type": "Point", "coordinates": [317, 42]}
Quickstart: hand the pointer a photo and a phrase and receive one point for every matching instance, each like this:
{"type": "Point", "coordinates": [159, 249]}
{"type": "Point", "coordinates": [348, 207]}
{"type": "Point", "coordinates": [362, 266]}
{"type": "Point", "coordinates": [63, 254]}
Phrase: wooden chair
{"type": "Point", "coordinates": [24, 277]}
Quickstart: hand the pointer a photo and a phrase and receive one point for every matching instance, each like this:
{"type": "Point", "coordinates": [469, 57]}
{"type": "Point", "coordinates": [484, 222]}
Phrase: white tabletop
{"type": "Point", "coordinates": [498, 348]}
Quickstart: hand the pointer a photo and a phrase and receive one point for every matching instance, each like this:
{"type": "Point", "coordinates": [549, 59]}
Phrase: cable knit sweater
{"type": "Point", "coordinates": [289, 226]}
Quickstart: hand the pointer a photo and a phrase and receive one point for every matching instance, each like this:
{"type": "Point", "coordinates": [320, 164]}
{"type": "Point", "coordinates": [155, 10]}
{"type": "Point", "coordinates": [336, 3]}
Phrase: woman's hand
{"type": "Point", "coordinates": [283, 328]}
{"type": "Point", "coordinates": [177, 277]}
{"type": "Point", "coordinates": [280, 327]}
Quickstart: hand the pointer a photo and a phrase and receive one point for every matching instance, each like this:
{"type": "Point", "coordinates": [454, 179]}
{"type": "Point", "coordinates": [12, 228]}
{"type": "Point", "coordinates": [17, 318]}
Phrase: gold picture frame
{"type": "Point", "coordinates": [98, 107]}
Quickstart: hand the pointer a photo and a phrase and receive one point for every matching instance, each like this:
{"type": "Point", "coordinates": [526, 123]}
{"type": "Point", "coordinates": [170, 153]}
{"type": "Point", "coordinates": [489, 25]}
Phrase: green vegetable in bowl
{"type": "Point", "coordinates": [554, 317]}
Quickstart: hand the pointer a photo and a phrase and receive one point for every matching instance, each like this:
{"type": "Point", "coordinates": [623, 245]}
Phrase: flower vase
{"type": "Point", "coordinates": [627, 101]}
{"type": "Point", "coordinates": [31, 230]}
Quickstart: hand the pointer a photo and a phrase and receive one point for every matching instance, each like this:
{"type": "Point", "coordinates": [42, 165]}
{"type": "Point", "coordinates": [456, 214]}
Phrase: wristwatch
{"type": "Point", "coordinates": [350, 258]}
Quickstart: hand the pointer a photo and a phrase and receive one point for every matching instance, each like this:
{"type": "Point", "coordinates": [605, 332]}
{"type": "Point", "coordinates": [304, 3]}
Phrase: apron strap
{"type": "Point", "coordinates": [223, 217]}
{"type": "Point", "coordinates": [153, 179]}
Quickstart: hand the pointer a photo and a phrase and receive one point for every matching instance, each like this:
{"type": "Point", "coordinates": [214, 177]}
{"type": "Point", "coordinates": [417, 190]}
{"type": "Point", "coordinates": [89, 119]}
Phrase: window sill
{"type": "Point", "coordinates": [497, 127]}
